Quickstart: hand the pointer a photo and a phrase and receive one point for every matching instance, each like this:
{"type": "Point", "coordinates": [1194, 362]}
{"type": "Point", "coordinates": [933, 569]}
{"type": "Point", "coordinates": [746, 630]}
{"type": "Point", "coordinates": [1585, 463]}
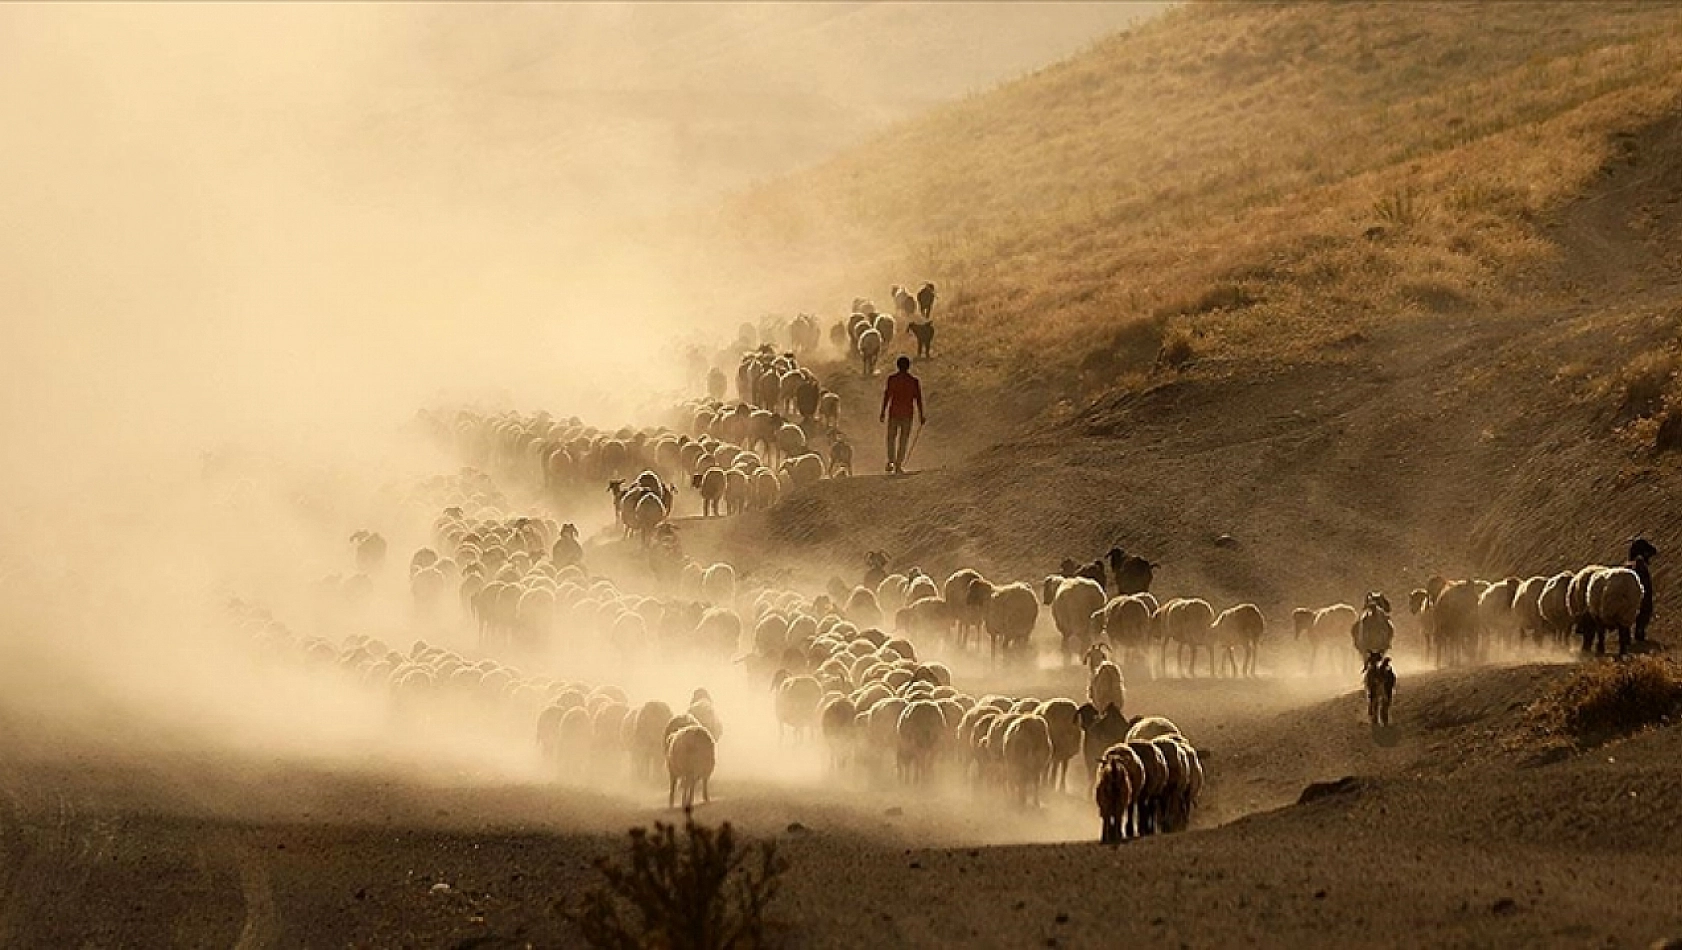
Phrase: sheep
{"type": "Point", "coordinates": [1100, 729]}
{"type": "Point", "coordinates": [1188, 622]}
{"type": "Point", "coordinates": [869, 348]}
{"type": "Point", "coordinates": [1455, 621]}
{"type": "Point", "coordinates": [838, 723]}
{"type": "Point", "coordinates": [567, 550]}
{"type": "Point", "coordinates": [925, 299]}
{"type": "Point", "coordinates": [1527, 609]}
{"type": "Point", "coordinates": [1073, 601]}
{"type": "Point", "coordinates": [711, 484]}
{"type": "Point", "coordinates": [1009, 615]}
{"type": "Point", "coordinates": [1640, 552]}
{"type": "Point", "coordinates": [1130, 573]}
{"type": "Point", "coordinates": [1113, 792]}
{"type": "Point", "coordinates": [1126, 622]}
{"type": "Point", "coordinates": [1027, 756]}
{"type": "Point", "coordinates": [1615, 600]}
{"type": "Point", "coordinates": [1146, 728]}
{"type": "Point", "coordinates": [905, 304]}
{"type": "Point", "coordinates": [718, 584]}
{"type": "Point", "coordinates": [1148, 795]}
{"type": "Point", "coordinates": [1552, 605]}
{"type": "Point", "coordinates": [875, 569]}
{"type": "Point", "coordinates": [702, 711]}
{"type": "Point", "coordinates": [840, 456]}
{"type": "Point", "coordinates": [829, 410]}
{"type": "Point", "coordinates": [1240, 626]}
{"type": "Point", "coordinates": [920, 731]}
{"type": "Point", "coordinates": [804, 469]}
{"type": "Point", "coordinates": [797, 700]}
{"type": "Point", "coordinates": [1185, 781]}
{"type": "Point", "coordinates": [1495, 610]}
{"type": "Point", "coordinates": [1380, 683]}
{"type": "Point", "coordinates": [1105, 687]}
{"type": "Point", "coordinates": [1062, 718]}
{"type": "Point", "coordinates": [1372, 631]}
{"type": "Point", "coordinates": [1322, 626]}
{"type": "Point", "coordinates": [690, 756]}
{"type": "Point", "coordinates": [647, 736]}
{"type": "Point", "coordinates": [884, 324]}
{"type": "Point", "coordinates": [923, 333]}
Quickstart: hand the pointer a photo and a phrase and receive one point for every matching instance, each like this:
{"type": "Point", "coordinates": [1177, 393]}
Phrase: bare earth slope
{"type": "Point", "coordinates": [1461, 442]}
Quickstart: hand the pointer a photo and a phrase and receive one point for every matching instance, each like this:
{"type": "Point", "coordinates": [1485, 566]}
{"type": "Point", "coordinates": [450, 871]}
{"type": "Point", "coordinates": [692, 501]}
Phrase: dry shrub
{"type": "Point", "coordinates": [1435, 295]}
{"type": "Point", "coordinates": [704, 891]}
{"type": "Point", "coordinates": [1177, 349]}
{"type": "Point", "coordinates": [1668, 436]}
{"type": "Point", "coordinates": [1130, 347]}
{"type": "Point", "coordinates": [1644, 382]}
{"type": "Point", "coordinates": [1400, 207]}
{"type": "Point", "coordinates": [1605, 700]}
{"type": "Point", "coordinates": [1221, 296]}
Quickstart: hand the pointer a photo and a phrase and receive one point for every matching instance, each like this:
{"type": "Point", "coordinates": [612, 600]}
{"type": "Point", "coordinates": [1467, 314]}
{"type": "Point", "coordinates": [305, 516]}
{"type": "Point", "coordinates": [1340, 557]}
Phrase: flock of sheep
{"type": "Point", "coordinates": [851, 669]}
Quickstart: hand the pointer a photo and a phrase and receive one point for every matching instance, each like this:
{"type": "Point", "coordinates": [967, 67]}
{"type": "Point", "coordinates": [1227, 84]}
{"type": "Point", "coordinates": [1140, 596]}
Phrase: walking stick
{"type": "Point", "coordinates": [915, 435]}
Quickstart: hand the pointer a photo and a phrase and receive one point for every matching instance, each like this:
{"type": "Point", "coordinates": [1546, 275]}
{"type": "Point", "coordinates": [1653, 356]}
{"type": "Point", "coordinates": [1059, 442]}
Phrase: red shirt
{"type": "Point", "coordinates": [902, 394]}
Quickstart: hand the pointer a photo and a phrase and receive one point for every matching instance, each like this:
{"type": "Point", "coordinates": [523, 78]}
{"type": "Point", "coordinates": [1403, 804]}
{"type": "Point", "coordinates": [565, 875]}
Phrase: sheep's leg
{"type": "Point", "coordinates": [706, 790]}
{"type": "Point", "coordinates": [671, 793]}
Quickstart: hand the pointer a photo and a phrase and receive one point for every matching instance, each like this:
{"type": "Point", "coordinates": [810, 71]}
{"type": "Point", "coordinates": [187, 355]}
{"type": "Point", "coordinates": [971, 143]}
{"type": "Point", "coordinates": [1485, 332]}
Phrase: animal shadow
{"type": "Point", "coordinates": [1386, 736]}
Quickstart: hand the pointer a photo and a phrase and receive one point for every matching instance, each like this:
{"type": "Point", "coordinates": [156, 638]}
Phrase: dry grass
{"type": "Point", "coordinates": [1606, 700]}
{"type": "Point", "coordinates": [1269, 174]}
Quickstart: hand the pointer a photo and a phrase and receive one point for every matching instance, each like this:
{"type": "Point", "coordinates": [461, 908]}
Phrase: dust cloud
{"type": "Point", "coordinates": [244, 244]}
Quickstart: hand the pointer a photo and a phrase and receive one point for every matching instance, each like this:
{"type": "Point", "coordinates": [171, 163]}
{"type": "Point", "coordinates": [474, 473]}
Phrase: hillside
{"type": "Point", "coordinates": [1258, 177]}
{"type": "Point", "coordinates": [1379, 291]}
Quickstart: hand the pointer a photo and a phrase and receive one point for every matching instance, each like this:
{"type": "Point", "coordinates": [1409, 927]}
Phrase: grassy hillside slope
{"type": "Point", "coordinates": [1244, 178]}
{"type": "Point", "coordinates": [1377, 290]}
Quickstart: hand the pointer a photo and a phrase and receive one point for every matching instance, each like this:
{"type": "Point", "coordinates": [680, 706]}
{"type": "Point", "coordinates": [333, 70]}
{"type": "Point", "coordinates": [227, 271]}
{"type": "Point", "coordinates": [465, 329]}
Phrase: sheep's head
{"type": "Point", "coordinates": [1641, 549]}
{"type": "Point", "coordinates": [1301, 619]}
{"type": "Point", "coordinates": [1417, 599]}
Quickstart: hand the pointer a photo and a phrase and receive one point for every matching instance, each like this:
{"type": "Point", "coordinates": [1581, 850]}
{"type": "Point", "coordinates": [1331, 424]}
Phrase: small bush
{"type": "Point", "coordinates": [1668, 437]}
{"type": "Point", "coordinates": [704, 891]}
{"type": "Point", "coordinates": [1222, 296]}
{"type": "Point", "coordinates": [1400, 207]}
{"type": "Point", "coordinates": [1644, 383]}
{"type": "Point", "coordinates": [1177, 349]}
{"type": "Point", "coordinates": [1606, 700]}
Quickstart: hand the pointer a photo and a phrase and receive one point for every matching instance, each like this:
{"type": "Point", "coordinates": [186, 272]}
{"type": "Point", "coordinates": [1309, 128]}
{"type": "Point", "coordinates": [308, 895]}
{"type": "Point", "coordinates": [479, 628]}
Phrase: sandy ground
{"type": "Point", "coordinates": [1451, 835]}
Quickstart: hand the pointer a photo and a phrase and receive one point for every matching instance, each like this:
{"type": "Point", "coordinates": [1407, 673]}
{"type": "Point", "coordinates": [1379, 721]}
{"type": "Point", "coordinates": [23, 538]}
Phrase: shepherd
{"type": "Point", "coordinates": [902, 394]}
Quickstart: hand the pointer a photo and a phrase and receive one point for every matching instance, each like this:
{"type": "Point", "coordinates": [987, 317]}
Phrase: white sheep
{"type": "Point", "coordinates": [1073, 602]}
{"type": "Point", "coordinates": [1027, 756]}
{"type": "Point", "coordinates": [803, 470]}
{"type": "Point", "coordinates": [1527, 609]}
{"type": "Point", "coordinates": [712, 485]}
{"type": "Point", "coordinates": [1240, 627]}
{"type": "Point", "coordinates": [1009, 616]}
{"type": "Point", "coordinates": [1322, 627]}
{"type": "Point", "coordinates": [1187, 622]}
{"type": "Point", "coordinates": [718, 584]}
{"type": "Point", "coordinates": [1496, 617]}
{"type": "Point", "coordinates": [869, 349]}
{"type": "Point", "coordinates": [920, 731]}
{"type": "Point", "coordinates": [1614, 602]}
{"type": "Point", "coordinates": [1105, 687]}
{"type": "Point", "coordinates": [1126, 622]}
{"type": "Point", "coordinates": [690, 757]}
{"type": "Point", "coordinates": [1062, 718]}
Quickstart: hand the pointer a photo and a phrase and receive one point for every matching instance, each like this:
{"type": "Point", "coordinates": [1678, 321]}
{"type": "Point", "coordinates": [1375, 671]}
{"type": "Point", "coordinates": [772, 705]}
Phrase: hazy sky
{"type": "Point", "coordinates": [248, 218]}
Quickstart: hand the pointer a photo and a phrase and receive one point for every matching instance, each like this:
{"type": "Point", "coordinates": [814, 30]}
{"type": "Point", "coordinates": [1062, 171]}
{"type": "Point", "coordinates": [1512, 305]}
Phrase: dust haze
{"type": "Point", "coordinates": [245, 244]}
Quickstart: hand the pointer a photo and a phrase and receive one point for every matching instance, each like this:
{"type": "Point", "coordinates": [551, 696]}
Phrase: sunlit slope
{"type": "Point", "coordinates": [1248, 176]}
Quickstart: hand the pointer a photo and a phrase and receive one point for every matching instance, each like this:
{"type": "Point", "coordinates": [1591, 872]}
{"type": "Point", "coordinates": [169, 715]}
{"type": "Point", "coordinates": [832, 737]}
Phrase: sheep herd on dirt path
{"type": "Point", "coordinates": [521, 616]}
